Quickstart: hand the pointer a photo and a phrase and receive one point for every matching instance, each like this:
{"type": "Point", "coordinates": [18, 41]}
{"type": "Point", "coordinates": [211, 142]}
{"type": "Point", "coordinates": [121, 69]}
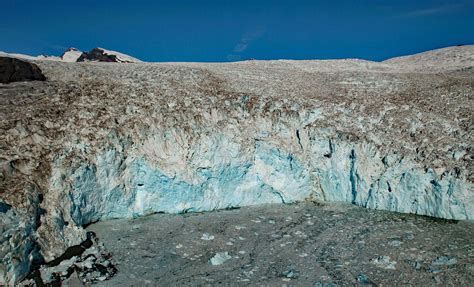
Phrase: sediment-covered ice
{"type": "Point", "coordinates": [100, 141]}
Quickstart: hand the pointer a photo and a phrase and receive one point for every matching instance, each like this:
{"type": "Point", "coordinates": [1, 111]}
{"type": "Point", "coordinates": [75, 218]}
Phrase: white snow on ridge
{"type": "Point", "coordinates": [30, 58]}
{"type": "Point", "coordinates": [71, 55]}
{"type": "Point", "coordinates": [18, 56]}
{"type": "Point", "coordinates": [121, 57]}
{"type": "Point", "coordinates": [48, 58]}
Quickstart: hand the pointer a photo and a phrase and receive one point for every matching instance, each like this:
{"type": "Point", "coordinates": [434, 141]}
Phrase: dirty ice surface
{"type": "Point", "coordinates": [298, 245]}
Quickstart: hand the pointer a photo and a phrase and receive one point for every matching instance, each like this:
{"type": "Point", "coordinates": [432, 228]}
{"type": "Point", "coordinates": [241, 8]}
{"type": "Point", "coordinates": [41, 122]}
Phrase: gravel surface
{"type": "Point", "coordinates": [297, 245]}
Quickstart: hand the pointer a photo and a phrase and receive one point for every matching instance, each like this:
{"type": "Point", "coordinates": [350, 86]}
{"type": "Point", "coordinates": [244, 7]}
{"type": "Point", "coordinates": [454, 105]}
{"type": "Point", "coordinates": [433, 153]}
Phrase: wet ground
{"type": "Point", "coordinates": [294, 245]}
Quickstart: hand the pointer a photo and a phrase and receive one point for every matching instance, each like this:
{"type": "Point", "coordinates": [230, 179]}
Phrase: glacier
{"type": "Point", "coordinates": [218, 173]}
{"type": "Point", "coordinates": [100, 141]}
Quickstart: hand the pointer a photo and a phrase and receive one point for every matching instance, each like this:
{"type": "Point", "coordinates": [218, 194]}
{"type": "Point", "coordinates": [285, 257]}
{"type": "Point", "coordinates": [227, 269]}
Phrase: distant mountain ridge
{"type": "Point", "coordinates": [73, 55]}
{"type": "Point", "coordinates": [448, 58]}
{"type": "Point", "coordinates": [103, 55]}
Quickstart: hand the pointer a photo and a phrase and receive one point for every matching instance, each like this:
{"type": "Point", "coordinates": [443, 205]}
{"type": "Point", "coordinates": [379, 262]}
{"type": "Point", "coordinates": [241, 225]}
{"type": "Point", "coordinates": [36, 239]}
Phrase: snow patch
{"type": "Point", "coordinates": [71, 55]}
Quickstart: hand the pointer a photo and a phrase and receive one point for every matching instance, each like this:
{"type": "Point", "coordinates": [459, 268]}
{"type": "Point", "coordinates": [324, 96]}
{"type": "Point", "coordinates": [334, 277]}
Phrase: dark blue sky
{"type": "Point", "coordinates": [223, 30]}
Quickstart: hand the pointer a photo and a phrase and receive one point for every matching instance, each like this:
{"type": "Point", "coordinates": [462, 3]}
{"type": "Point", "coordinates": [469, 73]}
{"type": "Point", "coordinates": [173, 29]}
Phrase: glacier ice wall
{"type": "Point", "coordinates": [212, 172]}
{"type": "Point", "coordinates": [115, 187]}
{"type": "Point", "coordinates": [170, 173]}
{"type": "Point", "coordinates": [18, 248]}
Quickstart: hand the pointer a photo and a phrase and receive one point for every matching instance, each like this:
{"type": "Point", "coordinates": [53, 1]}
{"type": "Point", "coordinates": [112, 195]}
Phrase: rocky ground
{"type": "Point", "coordinates": [98, 141]}
{"type": "Point", "coordinates": [289, 245]}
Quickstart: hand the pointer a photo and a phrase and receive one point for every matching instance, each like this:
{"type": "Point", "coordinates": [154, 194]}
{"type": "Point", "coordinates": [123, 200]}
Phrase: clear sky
{"type": "Point", "coordinates": [221, 30]}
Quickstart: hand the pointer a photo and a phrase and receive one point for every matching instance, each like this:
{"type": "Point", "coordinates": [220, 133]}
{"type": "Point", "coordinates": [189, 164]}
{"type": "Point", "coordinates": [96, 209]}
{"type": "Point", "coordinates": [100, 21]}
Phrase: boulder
{"type": "Point", "coordinates": [15, 70]}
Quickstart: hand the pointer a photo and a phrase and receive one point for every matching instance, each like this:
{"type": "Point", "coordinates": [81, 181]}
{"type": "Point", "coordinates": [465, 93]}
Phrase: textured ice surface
{"type": "Point", "coordinates": [100, 141]}
{"type": "Point", "coordinates": [115, 187]}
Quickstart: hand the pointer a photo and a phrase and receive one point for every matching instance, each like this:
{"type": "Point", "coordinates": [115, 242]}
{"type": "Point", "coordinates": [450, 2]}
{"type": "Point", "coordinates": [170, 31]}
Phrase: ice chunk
{"type": "Point", "coordinates": [220, 258]}
{"type": "Point", "coordinates": [207, 237]}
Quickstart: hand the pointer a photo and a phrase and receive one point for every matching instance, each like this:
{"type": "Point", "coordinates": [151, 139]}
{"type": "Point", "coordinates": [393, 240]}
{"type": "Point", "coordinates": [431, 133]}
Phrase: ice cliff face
{"type": "Point", "coordinates": [102, 141]}
{"type": "Point", "coordinates": [219, 173]}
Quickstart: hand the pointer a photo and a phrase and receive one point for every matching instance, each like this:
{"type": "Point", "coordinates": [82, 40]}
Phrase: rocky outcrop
{"type": "Point", "coordinates": [116, 141]}
{"type": "Point", "coordinates": [103, 55]}
{"type": "Point", "coordinates": [16, 70]}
